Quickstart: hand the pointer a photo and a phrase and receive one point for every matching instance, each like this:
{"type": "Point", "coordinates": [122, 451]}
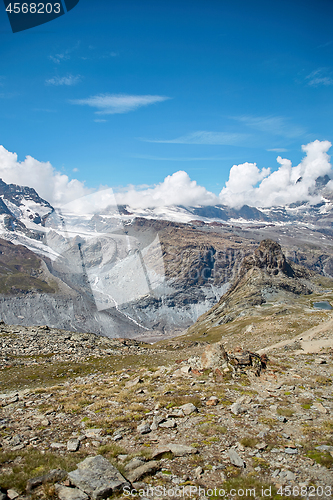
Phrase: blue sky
{"type": "Point", "coordinates": [128, 92]}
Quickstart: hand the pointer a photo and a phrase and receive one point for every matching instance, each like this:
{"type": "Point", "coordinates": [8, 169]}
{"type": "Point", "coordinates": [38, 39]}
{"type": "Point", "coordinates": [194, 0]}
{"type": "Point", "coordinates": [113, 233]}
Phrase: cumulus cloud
{"type": "Point", "coordinates": [205, 137]}
{"type": "Point", "coordinates": [176, 189]}
{"type": "Point", "coordinates": [110, 104]}
{"type": "Point", "coordinates": [248, 184]}
{"type": "Point", "coordinates": [50, 184]}
{"type": "Point", "coordinates": [63, 80]}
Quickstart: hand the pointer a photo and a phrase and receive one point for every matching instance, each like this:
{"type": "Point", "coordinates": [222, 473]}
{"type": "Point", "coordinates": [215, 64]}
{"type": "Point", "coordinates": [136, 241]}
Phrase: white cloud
{"type": "Point", "coordinates": [319, 77]}
{"type": "Point", "coordinates": [275, 125]}
{"type": "Point", "coordinates": [278, 150]}
{"type": "Point", "coordinates": [110, 104]}
{"type": "Point", "coordinates": [57, 58]}
{"type": "Point", "coordinates": [205, 137]}
{"type": "Point", "coordinates": [176, 189]}
{"type": "Point", "coordinates": [63, 80]}
{"type": "Point", "coordinates": [65, 55]}
{"type": "Point", "coordinates": [50, 184]}
{"type": "Point", "coordinates": [248, 184]}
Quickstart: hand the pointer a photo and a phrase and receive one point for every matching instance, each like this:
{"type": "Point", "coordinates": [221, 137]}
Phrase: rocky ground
{"type": "Point", "coordinates": [84, 416]}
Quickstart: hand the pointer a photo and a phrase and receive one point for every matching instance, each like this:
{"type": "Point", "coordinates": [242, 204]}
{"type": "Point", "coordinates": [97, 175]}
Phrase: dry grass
{"type": "Point", "coordinates": [249, 442]}
{"type": "Point", "coordinates": [285, 412]}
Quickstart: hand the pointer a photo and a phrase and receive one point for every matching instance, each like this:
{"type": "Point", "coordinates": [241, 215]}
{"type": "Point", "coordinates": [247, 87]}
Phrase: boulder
{"type": "Point", "coordinates": [214, 356]}
{"type": "Point", "coordinates": [97, 477]}
{"type": "Point", "coordinates": [188, 408]}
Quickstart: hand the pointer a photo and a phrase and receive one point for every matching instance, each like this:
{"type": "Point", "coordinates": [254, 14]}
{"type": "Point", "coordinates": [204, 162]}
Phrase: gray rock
{"type": "Point", "coordinates": [178, 450]}
{"type": "Point", "coordinates": [324, 447]}
{"type": "Point", "coordinates": [3, 496]}
{"type": "Point", "coordinates": [52, 476]}
{"type": "Point", "coordinates": [134, 463]}
{"type": "Point", "coordinates": [97, 477]}
{"type": "Point", "coordinates": [262, 434]}
{"type": "Point", "coordinates": [235, 459]}
{"type": "Point", "coordinates": [291, 451]}
{"type": "Point", "coordinates": [181, 450]}
{"type": "Point", "coordinates": [194, 362]}
{"type": "Point", "coordinates": [169, 424]}
{"type": "Point", "coordinates": [287, 475]}
{"type": "Point", "coordinates": [117, 437]}
{"type": "Point", "coordinates": [198, 472]}
{"type": "Point", "coordinates": [73, 445]}
{"type": "Point", "coordinates": [261, 446]}
{"type": "Point", "coordinates": [12, 494]}
{"type": "Point", "coordinates": [157, 420]}
{"type": "Point", "coordinates": [134, 382]}
{"type": "Point", "coordinates": [189, 408]}
{"type": "Point", "coordinates": [176, 413]}
{"type": "Point", "coordinates": [16, 440]}
{"type": "Point", "coordinates": [18, 447]}
{"type": "Point", "coordinates": [13, 399]}
{"type": "Point", "coordinates": [236, 408]}
{"type": "Point", "coordinates": [143, 428]}
{"type": "Point", "coordinates": [57, 446]}
{"type": "Point", "coordinates": [65, 493]}
{"type": "Point", "coordinates": [143, 470]}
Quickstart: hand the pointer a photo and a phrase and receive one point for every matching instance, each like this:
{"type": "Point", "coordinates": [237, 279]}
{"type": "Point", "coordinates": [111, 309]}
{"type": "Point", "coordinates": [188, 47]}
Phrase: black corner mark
{"type": "Point", "coordinates": [24, 15]}
{"type": "Point", "coordinates": [70, 4]}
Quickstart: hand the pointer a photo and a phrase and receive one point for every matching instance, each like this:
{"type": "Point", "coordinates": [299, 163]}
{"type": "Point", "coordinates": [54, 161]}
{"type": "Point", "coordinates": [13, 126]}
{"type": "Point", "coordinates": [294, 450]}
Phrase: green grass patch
{"type": "Point", "coordinates": [321, 457]}
{"type": "Point", "coordinates": [32, 464]}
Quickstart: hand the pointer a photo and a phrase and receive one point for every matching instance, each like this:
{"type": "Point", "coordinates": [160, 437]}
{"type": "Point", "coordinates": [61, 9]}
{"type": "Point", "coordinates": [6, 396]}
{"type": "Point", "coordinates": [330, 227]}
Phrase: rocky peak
{"type": "Point", "coordinates": [15, 194]}
{"type": "Point", "coordinates": [269, 257]}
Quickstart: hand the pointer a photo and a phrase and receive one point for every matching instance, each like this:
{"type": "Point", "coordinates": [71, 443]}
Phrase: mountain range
{"type": "Point", "coordinates": [144, 273]}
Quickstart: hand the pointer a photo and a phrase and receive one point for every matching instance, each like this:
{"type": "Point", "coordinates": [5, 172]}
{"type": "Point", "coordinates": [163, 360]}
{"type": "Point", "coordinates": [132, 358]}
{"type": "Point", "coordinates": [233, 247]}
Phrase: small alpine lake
{"type": "Point", "coordinates": [322, 305]}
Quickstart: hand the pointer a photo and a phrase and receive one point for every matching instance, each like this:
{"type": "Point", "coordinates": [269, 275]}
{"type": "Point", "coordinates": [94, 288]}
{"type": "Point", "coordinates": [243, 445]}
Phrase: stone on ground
{"type": "Point", "coordinates": [97, 477]}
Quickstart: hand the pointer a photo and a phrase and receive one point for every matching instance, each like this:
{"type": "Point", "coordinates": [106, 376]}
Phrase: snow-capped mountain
{"type": "Point", "coordinates": [122, 271]}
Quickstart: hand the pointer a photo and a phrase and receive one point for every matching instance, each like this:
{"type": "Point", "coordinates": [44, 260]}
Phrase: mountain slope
{"type": "Point", "coordinates": [270, 295]}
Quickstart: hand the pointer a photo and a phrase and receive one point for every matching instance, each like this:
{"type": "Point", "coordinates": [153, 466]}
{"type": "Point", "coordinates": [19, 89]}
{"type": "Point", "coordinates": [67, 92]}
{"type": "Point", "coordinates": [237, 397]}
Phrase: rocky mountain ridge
{"type": "Point", "coordinates": [179, 270]}
{"type": "Point", "coordinates": [264, 276]}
